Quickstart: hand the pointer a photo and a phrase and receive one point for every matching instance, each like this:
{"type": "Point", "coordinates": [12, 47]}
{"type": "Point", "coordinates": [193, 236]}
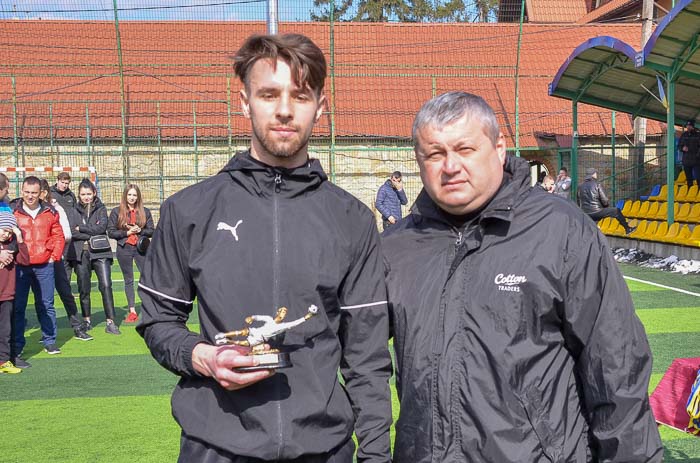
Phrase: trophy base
{"type": "Point", "coordinates": [268, 361]}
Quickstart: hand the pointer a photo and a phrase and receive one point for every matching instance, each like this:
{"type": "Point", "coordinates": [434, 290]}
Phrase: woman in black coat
{"type": "Point", "coordinates": [93, 222]}
{"type": "Point", "coordinates": [129, 223]}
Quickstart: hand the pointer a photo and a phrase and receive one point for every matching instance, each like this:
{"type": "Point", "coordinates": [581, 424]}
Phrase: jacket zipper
{"type": "Point", "coordinates": [275, 294]}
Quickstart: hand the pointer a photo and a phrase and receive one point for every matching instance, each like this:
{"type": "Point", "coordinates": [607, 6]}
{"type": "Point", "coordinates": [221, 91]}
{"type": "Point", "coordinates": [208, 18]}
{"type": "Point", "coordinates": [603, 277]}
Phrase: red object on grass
{"type": "Point", "coordinates": [669, 399]}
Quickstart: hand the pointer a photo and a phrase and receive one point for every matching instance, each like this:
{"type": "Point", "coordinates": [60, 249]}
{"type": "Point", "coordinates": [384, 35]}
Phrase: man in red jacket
{"type": "Point", "coordinates": [44, 237]}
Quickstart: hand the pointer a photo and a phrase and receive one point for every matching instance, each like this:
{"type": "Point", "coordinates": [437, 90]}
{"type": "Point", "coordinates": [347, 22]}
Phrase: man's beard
{"type": "Point", "coordinates": [279, 150]}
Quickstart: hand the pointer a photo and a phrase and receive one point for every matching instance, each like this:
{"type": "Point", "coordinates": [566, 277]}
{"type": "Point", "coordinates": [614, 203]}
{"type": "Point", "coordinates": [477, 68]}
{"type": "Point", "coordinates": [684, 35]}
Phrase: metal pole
{"type": "Point", "coordinates": [15, 137]}
{"type": "Point", "coordinates": [517, 80]}
{"type": "Point", "coordinates": [87, 133]}
{"type": "Point", "coordinates": [670, 145]}
{"type": "Point", "coordinates": [125, 164]}
{"type": "Point", "coordinates": [194, 139]}
{"type": "Point", "coordinates": [272, 19]}
{"type": "Point", "coordinates": [331, 159]}
{"type": "Point", "coordinates": [614, 171]}
{"type": "Point", "coordinates": [160, 153]}
{"type": "Point", "coordinates": [433, 90]}
{"type": "Point", "coordinates": [574, 144]}
{"type": "Point", "coordinates": [228, 111]}
{"type": "Point", "coordinates": [640, 123]}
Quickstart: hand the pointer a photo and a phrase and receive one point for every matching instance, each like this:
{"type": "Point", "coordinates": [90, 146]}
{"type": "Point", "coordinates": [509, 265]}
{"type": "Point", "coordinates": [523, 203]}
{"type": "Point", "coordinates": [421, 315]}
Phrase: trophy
{"type": "Point", "coordinates": [255, 337]}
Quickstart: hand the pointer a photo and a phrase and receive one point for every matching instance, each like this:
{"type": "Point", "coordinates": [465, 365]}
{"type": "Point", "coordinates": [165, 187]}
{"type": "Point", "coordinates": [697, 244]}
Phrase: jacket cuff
{"type": "Point", "coordinates": [186, 352]}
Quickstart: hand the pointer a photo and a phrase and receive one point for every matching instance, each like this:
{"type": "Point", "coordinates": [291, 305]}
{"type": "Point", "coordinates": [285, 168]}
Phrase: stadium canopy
{"type": "Point", "coordinates": [661, 82]}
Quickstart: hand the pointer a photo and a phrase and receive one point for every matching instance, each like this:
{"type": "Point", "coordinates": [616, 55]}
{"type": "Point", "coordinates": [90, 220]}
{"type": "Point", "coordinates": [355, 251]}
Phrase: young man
{"type": "Point", "coordinates": [61, 192]}
{"type": "Point", "coordinates": [562, 184]}
{"type": "Point", "coordinates": [270, 231]}
{"type": "Point", "coordinates": [390, 197]}
{"type": "Point", "coordinates": [593, 201]}
{"type": "Point", "coordinates": [509, 347]}
{"type": "Point", "coordinates": [42, 232]}
{"type": "Point", "coordinates": [689, 146]}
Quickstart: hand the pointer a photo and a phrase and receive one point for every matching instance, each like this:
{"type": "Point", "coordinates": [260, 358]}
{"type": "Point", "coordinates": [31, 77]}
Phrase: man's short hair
{"type": "Point", "coordinates": [690, 123]}
{"type": "Point", "coordinates": [305, 59]}
{"type": "Point", "coordinates": [63, 176]}
{"type": "Point", "coordinates": [448, 107]}
{"type": "Point", "coordinates": [31, 180]}
{"type": "Point", "coordinates": [565, 169]}
{"type": "Point", "coordinates": [396, 174]}
{"type": "Point", "coordinates": [4, 182]}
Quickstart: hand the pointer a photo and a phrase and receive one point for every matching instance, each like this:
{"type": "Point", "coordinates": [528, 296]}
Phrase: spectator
{"type": "Point", "coordinates": [127, 223]}
{"type": "Point", "coordinates": [390, 197]}
{"type": "Point", "coordinates": [270, 230]}
{"type": "Point", "coordinates": [562, 184]}
{"type": "Point", "coordinates": [61, 192]}
{"type": "Point", "coordinates": [10, 241]}
{"type": "Point", "coordinates": [689, 146]}
{"type": "Point", "coordinates": [547, 184]}
{"type": "Point", "coordinates": [93, 222]}
{"type": "Point", "coordinates": [593, 201]}
{"type": "Point", "coordinates": [509, 347]}
{"type": "Point", "coordinates": [61, 268]}
{"type": "Point", "coordinates": [4, 189]}
{"type": "Point", "coordinates": [41, 230]}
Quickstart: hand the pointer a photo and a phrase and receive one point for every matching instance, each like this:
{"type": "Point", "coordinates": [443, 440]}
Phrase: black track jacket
{"type": "Point", "coordinates": [516, 339]}
{"type": "Point", "coordinates": [297, 240]}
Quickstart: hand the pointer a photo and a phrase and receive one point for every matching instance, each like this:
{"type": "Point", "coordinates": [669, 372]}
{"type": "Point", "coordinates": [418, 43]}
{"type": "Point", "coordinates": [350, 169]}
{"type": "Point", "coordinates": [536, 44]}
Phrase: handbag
{"type": "Point", "coordinates": [142, 245]}
{"type": "Point", "coordinates": [99, 243]}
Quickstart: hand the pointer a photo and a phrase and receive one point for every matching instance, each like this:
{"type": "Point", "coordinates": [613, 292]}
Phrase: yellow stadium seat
{"type": "Point", "coordinates": [661, 214]}
{"type": "Point", "coordinates": [682, 193]}
{"type": "Point", "coordinates": [671, 233]}
{"type": "Point", "coordinates": [626, 208]}
{"type": "Point", "coordinates": [653, 210]}
{"type": "Point", "coordinates": [681, 178]}
{"type": "Point", "coordinates": [641, 228]}
{"type": "Point", "coordinates": [694, 238]}
{"type": "Point", "coordinates": [604, 225]}
{"type": "Point", "coordinates": [682, 235]}
{"type": "Point", "coordinates": [650, 231]}
{"type": "Point", "coordinates": [663, 193]}
{"type": "Point", "coordinates": [693, 195]}
{"type": "Point", "coordinates": [644, 209]}
{"type": "Point", "coordinates": [616, 229]}
{"type": "Point", "coordinates": [694, 215]}
{"type": "Point", "coordinates": [683, 212]}
{"type": "Point", "coordinates": [634, 210]}
{"type": "Point", "coordinates": [661, 231]}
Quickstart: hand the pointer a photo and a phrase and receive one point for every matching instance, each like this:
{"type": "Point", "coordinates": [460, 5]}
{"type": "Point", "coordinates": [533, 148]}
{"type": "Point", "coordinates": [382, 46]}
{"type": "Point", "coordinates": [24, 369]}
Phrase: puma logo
{"type": "Point", "coordinates": [225, 226]}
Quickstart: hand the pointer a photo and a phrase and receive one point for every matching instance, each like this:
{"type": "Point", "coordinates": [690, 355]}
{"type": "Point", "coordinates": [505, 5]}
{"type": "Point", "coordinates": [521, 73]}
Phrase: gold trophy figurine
{"type": "Point", "coordinates": [256, 337]}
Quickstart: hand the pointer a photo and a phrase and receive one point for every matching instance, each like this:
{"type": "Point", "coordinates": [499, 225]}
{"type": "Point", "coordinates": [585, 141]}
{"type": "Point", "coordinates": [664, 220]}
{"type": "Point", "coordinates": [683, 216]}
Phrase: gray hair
{"type": "Point", "coordinates": [447, 108]}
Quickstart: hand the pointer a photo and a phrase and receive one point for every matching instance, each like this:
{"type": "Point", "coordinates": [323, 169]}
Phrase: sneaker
{"type": "Point", "coordinates": [131, 318]}
{"type": "Point", "coordinates": [51, 349]}
{"type": "Point", "coordinates": [112, 328]}
{"type": "Point", "coordinates": [8, 367]}
{"type": "Point", "coordinates": [21, 363]}
{"type": "Point", "coordinates": [81, 335]}
{"type": "Point", "coordinates": [631, 230]}
{"type": "Point", "coordinates": [86, 326]}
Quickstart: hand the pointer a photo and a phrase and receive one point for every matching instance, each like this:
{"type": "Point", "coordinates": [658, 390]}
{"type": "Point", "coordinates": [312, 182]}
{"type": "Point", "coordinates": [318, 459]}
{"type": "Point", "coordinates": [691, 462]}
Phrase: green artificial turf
{"type": "Point", "coordinates": [107, 400]}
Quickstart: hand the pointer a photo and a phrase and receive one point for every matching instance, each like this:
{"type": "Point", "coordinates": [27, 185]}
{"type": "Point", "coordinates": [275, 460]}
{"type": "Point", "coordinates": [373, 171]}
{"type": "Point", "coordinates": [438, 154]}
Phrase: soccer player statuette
{"type": "Point", "coordinates": [256, 337]}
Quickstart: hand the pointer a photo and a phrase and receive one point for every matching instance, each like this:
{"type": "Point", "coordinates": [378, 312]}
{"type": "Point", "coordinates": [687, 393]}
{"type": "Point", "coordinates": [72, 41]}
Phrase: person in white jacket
{"type": "Point", "coordinates": [61, 276]}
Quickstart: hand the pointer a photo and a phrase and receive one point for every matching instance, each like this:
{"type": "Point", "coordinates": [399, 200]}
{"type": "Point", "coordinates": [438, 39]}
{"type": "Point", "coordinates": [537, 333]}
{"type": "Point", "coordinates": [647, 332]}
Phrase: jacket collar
{"type": "Point", "coordinates": [516, 183]}
{"type": "Point", "coordinates": [264, 180]}
{"type": "Point", "coordinates": [17, 204]}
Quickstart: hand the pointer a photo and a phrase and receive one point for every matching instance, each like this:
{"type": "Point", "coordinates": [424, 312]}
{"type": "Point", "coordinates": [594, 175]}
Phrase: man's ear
{"type": "Point", "coordinates": [245, 105]}
{"type": "Point", "coordinates": [501, 148]}
{"type": "Point", "coordinates": [321, 107]}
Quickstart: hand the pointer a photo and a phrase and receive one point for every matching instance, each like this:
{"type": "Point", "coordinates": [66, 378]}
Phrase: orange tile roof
{"type": "Point", "coordinates": [383, 73]}
{"type": "Point", "coordinates": [555, 11]}
{"type": "Point", "coordinates": [606, 10]}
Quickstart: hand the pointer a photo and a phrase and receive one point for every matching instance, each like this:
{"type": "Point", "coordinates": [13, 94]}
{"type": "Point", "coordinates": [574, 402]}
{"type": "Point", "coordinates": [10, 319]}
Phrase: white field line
{"type": "Point", "coordinates": [662, 286]}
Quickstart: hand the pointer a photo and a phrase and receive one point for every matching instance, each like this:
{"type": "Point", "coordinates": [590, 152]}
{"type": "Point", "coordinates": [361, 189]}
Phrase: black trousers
{"type": "Point", "coordinates": [692, 173]}
{"type": "Point", "coordinates": [103, 270]}
{"type": "Point", "coordinates": [610, 212]}
{"type": "Point", "coordinates": [62, 272]}
{"type": "Point", "coordinates": [193, 450]}
{"type": "Point", "coordinates": [126, 255]}
{"type": "Point", "coordinates": [6, 308]}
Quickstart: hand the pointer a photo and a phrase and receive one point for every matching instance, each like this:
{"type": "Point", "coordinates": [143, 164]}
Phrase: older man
{"type": "Point", "coordinates": [509, 347]}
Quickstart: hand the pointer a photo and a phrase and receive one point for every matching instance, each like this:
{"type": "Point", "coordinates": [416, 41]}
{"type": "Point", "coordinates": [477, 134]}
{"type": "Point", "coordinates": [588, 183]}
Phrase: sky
{"type": "Point", "coordinates": [153, 10]}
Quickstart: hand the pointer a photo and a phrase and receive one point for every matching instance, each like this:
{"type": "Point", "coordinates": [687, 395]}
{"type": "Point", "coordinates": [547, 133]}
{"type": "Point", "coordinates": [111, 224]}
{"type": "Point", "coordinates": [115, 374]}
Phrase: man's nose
{"type": "Point", "coordinates": [284, 107]}
{"type": "Point", "coordinates": [451, 164]}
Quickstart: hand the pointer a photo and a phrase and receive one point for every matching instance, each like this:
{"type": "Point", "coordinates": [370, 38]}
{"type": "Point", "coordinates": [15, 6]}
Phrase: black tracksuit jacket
{"type": "Point", "coordinates": [299, 240]}
{"type": "Point", "coordinates": [516, 339]}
